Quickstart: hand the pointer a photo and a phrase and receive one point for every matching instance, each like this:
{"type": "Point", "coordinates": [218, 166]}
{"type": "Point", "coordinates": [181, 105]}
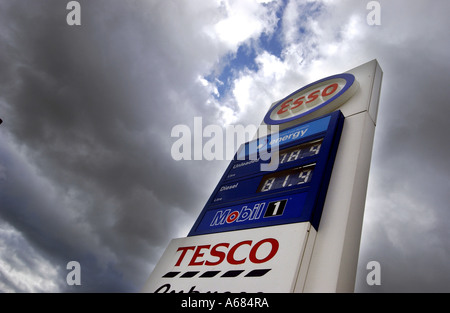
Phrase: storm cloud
{"type": "Point", "coordinates": [86, 172]}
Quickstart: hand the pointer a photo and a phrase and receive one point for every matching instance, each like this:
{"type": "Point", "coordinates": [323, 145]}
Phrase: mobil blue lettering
{"type": "Point", "coordinates": [244, 214]}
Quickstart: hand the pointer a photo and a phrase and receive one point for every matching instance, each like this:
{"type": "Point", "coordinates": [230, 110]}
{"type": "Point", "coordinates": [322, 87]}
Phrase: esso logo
{"type": "Point", "coordinates": [316, 99]}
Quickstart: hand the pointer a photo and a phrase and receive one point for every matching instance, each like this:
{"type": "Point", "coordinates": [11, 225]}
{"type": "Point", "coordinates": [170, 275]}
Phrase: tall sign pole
{"type": "Point", "coordinates": [297, 227]}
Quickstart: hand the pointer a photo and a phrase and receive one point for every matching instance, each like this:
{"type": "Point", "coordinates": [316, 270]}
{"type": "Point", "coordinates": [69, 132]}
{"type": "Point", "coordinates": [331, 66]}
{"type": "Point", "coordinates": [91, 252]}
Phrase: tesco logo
{"type": "Point", "coordinates": [239, 253]}
{"type": "Point", "coordinates": [314, 100]}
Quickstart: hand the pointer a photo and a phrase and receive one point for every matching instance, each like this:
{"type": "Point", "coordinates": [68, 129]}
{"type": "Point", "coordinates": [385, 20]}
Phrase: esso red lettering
{"type": "Point", "coordinates": [232, 217]}
{"type": "Point", "coordinates": [285, 107]}
{"type": "Point", "coordinates": [237, 254]}
{"type": "Point", "coordinates": [294, 105]}
{"type": "Point", "coordinates": [313, 96]}
{"type": "Point", "coordinates": [329, 90]}
{"type": "Point", "coordinates": [297, 103]}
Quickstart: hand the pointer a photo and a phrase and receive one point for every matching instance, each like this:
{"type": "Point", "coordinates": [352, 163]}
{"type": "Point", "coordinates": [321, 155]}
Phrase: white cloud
{"type": "Point", "coordinates": [242, 21]}
{"type": "Point", "coordinates": [22, 269]}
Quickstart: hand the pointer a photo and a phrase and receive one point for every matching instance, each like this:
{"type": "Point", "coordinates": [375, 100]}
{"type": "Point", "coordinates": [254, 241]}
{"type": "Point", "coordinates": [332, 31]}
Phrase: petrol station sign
{"type": "Point", "coordinates": [248, 198]}
{"type": "Point", "coordinates": [259, 230]}
{"type": "Point", "coordinates": [239, 261]}
{"type": "Point", "coordinates": [316, 99]}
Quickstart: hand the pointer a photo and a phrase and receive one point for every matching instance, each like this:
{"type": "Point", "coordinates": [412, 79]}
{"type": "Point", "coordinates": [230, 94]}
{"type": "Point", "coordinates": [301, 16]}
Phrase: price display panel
{"type": "Point", "coordinates": [288, 178]}
{"type": "Point", "coordinates": [247, 197]}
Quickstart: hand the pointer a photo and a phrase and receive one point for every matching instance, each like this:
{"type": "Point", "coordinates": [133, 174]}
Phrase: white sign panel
{"type": "Point", "coordinates": [263, 260]}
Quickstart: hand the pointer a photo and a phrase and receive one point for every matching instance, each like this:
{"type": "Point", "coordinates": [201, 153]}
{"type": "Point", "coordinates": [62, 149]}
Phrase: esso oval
{"type": "Point", "coordinates": [316, 99]}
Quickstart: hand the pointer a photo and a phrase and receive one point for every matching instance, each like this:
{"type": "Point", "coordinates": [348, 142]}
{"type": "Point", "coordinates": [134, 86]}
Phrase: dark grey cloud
{"type": "Point", "coordinates": [92, 108]}
{"type": "Point", "coordinates": [406, 208]}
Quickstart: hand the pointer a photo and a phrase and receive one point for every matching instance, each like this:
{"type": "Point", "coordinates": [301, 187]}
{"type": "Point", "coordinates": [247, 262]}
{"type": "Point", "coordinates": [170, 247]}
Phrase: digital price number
{"type": "Point", "coordinates": [296, 176]}
{"type": "Point", "coordinates": [300, 152]}
{"type": "Point", "coordinates": [248, 197]}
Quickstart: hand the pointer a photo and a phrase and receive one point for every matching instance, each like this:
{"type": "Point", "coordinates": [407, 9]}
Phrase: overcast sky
{"type": "Point", "coordinates": [86, 171]}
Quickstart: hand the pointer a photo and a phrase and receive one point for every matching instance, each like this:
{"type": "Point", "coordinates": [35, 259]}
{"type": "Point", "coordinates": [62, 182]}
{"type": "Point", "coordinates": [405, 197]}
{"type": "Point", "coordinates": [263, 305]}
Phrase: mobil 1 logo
{"type": "Point", "coordinates": [273, 211]}
{"type": "Point", "coordinates": [275, 208]}
{"type": "Point", "coordinates": [245, 213]}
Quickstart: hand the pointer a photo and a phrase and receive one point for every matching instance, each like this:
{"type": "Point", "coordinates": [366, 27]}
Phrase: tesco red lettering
{"type": "Point", "coordinates": [198, 254]}
{"type": "Point", "coordinates": [183, 253]}
{"type": "Point", "coordinates": [220, 252]}
{"type": "Point", "coordinates": [273, 251]}
{"type": "Point", "coordinates": [230, 256]}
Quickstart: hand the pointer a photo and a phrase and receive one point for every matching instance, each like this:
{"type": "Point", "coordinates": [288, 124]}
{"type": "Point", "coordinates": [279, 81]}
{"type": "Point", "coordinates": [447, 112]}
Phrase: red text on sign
{"type": "Point", "coordinates": [291, 105]}
{"type": "Point", "coordinates": [205, 255]}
